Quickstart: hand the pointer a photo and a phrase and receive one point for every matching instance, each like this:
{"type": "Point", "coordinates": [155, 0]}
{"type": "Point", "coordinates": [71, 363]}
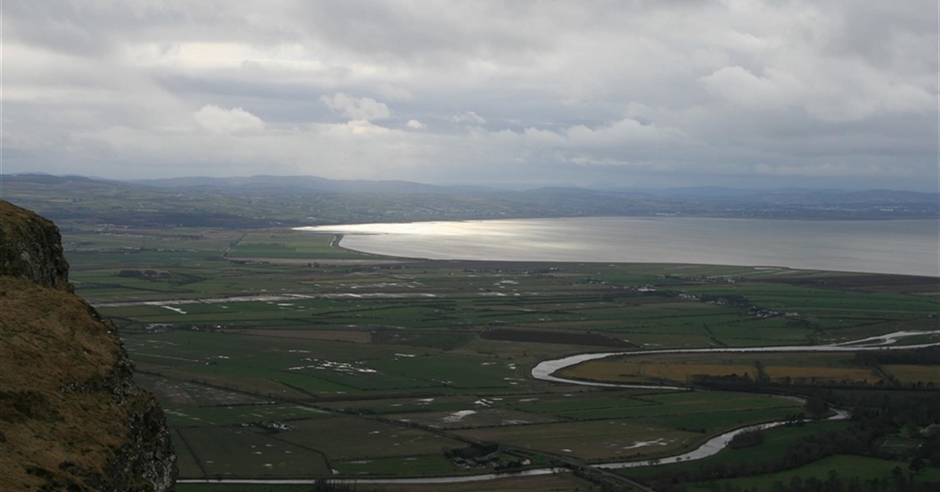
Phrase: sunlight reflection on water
{"type": "Point", "coordinates": [889, 246]}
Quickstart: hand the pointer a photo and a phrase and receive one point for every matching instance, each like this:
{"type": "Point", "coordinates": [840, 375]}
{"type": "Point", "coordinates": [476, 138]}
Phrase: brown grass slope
{"type": "Point", "coordinates": [71, 417]}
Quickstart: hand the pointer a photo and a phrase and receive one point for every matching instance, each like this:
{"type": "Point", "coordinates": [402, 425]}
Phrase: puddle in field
{"type": "Point", "coordinates": [457, 416]}
{"type": "Point", "coordinates": [640, 444]}
{"type": "Point", "coordinates": [348, 367]}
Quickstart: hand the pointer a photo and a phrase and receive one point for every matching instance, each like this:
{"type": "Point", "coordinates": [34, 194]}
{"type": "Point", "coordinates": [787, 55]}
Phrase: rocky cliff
{"type": "Point", "coordinates": [31, 248]}
{"type": "Point", "coordinates": [71, 417]}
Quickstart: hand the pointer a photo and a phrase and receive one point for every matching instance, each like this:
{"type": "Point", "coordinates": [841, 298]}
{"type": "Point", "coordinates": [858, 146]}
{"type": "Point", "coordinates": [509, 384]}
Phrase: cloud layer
{"type": "Point", "coordinates": [222, 121]}
{"type": "Point", "coordinates": [761, 94]}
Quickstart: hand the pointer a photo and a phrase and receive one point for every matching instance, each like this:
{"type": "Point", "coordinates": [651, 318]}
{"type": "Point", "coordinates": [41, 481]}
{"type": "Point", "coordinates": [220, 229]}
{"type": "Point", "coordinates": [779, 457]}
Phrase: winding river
{"type": "Point", "coordinates": [544, 371]}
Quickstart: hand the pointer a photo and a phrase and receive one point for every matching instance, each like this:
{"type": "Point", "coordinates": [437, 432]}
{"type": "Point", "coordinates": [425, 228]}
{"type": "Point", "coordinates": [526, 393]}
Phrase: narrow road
{"type": "Point", "coordinates": [232, 245]}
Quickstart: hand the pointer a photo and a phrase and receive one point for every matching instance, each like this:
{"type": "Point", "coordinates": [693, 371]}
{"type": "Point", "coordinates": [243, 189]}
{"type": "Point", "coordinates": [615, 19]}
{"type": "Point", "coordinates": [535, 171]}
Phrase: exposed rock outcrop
{"type": "Point", "coordinates": [71, 417]}
{"type": "Point", "coordinates": [31, 248]}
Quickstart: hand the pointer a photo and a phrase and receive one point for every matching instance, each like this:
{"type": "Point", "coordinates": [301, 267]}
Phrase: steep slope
{"type": "Point", "coordinates": [71, 417]}
{"type": "Point", "coordinates": [31, 248]}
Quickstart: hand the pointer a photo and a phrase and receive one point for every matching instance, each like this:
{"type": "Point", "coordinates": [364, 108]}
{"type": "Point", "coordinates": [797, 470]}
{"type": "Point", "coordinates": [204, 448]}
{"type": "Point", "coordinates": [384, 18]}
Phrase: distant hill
{"type": "Point", "coordinates": [313, 183]}
{"type": "Point", "coordinates": [278, 201]}
{"type": "Point", "coordinates": [713, 193]}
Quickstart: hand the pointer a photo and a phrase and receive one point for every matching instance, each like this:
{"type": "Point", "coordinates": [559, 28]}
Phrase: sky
{"type": "Point", "coordinates": [821, 94]}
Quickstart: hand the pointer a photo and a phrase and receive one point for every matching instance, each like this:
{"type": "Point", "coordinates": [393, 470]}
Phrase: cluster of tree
{"type": "Point", "coordinates": [747, 439]}
{"type": "Point", "coordinates": [816, 407]}
{"type": "Point", "coordinates": [145, 274]}
{"type": "Point", "coordinates": [509, 465]}
{"type": "Point", "coordinates": [327, 486]}
{"type": "Point", "coordinates": [730, 382]}
{"type": "Point", "coordinates": [919, 357]}
{"type": "Point", "coordinates": [864, 437]}
{"type": "Point", "coordinates": [728, 300]}
{"type": "Point", "coordinates": [897, 482]}
{"type": "Point", "coordinates": [760, 382]}
{"type": "Point", "coordinates": [900, 406]}
{"type": "Point", "coordinates": [602, 482]}
{"type": "Point", "coordinates": [472, 451]}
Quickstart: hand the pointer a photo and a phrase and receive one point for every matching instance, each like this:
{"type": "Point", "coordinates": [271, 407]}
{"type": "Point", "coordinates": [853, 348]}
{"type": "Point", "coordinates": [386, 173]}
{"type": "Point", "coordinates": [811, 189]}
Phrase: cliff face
{"type": "Point", "coordinates": [31, 248]}
{"type": "Point", "coordinates": [71, 417]}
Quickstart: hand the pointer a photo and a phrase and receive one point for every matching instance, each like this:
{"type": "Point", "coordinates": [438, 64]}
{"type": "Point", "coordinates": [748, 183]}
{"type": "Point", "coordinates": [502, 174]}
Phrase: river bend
{"type": "Point", "coordinates": [544, 371]}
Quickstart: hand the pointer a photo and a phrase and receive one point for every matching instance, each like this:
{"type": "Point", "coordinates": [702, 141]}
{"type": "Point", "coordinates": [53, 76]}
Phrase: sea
{"type": "Point", "coordinates": [910, 247]}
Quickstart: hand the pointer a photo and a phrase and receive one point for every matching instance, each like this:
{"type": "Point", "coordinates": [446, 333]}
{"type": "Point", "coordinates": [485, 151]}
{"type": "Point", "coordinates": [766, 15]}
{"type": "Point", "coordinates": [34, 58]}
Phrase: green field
{"type": "Point", "coordinates": [841, 467]}
{"type": "Point", "coordinates": [278, 355]}
{"type": "Point", "coordinates": [775, 444]}
{"type": "Point", "coordinates": [287, 245]}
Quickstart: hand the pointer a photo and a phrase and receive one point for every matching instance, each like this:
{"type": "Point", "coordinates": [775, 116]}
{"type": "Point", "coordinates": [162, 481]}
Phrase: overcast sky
{"type": "Point", "coordinates": [614, 93]}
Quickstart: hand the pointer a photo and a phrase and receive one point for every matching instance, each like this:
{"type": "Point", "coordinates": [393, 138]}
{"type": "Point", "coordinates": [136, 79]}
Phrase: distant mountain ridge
{"type": "Point", "coordinates": [297, 182]}
{"type": "Point", "coordinates": [274, 201]}
{"type": "Point", "coordinates": [397, 186]}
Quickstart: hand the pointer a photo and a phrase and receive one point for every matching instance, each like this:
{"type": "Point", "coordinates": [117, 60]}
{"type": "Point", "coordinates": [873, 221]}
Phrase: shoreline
{"type": "Point", "coordinates": [895, 247]}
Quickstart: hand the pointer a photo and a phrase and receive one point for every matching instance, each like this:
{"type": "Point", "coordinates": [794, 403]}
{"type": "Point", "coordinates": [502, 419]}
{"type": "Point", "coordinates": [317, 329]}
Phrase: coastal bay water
{"type": "Point", "coordinates": [883, 246]}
